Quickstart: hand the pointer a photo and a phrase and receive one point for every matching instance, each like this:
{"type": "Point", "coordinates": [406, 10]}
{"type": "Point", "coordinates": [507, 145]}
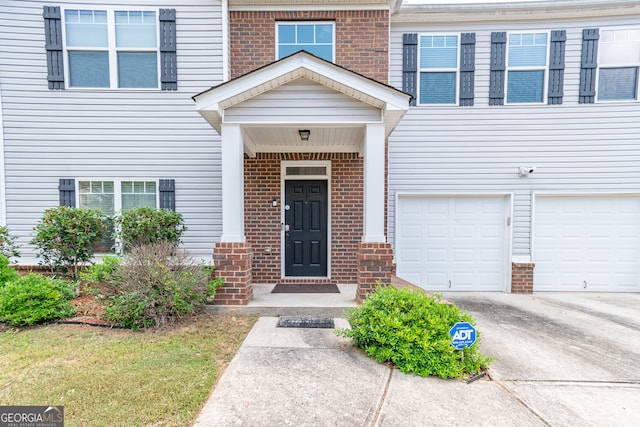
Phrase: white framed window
{"type": "Point", "coordinates": [527, 67]}
{"type": "Point", "coordinates": [438, 64]}
{"type": "Point", "coordinates": [618, 64]}
{"type": "Point", "coordinates": [111, 48]}
{"type": "Point", "coordinates": [317, 38]}
{"type": "Point", "coordinates": [113, 196]}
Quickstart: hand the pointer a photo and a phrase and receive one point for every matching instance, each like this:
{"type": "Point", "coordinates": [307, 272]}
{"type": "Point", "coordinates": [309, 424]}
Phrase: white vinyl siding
{"type": "Point", "coordinates": [575, 147]}
{"type": "Point", "coordinates": [124, 134]}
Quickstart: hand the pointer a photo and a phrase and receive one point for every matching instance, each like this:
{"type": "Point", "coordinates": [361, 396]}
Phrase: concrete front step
{"type": "Point", "coordinates": [264, 303]}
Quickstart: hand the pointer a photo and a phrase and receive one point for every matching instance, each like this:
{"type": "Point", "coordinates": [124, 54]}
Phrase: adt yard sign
{"type": "Point", "coordinates": [463, 334]}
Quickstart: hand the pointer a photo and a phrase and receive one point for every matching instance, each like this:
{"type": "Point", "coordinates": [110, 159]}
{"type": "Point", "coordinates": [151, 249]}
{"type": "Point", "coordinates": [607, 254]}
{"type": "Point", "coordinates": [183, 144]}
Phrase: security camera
{"type": "Point", "coordinates": [526, 170]}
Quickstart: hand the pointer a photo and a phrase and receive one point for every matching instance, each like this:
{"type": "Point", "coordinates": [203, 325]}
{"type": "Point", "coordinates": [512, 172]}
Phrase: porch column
{"type": "Point", "coordinates": [374, 158]}
{"type": "Point", "coordinates": [375, 255]}
{"type": "Point", "coordinates": [232, 184]}
{"type": "Point", "coordinates": [233, 255]}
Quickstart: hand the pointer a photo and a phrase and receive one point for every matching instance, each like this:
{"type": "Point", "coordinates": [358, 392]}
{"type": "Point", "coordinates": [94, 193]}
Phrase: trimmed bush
{"type": "Point", "coordinates": [7, 273]}
{"type": "Point", "coordinates": [145, 225]}
{"type": "Point", "coordinates": [33, 299]}
{"type": "Point", "coordinates": [65, 237]}
{"type": "Point", "coordinates": [153, 285]}
{"type": "Point", "coordinates": [8, 246]}
{"type": "Point", "coordinates": [411, 330]}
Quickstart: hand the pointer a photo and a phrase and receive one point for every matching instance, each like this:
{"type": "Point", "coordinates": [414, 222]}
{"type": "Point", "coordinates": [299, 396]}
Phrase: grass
{"type": "Point", "coordinates": [115, 377]}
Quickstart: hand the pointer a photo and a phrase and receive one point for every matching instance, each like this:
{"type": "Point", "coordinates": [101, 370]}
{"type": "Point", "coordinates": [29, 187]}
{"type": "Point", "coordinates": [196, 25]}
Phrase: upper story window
{"type": "Point", "coordinates": [526, 67]}
{"type": "Point", "coordinates": [314, 37]}
{"type": "Point", "coordinates": [438, 68]}
{"type": "Point", "coordinates": [111, 49]}
{"type": "Point", "coordinates": [618, 62]}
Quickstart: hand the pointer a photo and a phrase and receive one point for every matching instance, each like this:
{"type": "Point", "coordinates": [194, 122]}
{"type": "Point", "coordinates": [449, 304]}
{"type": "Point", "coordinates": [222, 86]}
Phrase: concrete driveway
{"type": "Point", "coordinates": [561, 360]}
{"type": "Point", "coordinates": [571, 359]}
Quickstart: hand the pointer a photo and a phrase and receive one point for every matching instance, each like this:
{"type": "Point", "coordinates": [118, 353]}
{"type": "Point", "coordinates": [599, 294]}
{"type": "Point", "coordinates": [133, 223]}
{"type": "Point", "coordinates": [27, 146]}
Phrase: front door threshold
{"type": "Point", "coordinates": [306, 279]}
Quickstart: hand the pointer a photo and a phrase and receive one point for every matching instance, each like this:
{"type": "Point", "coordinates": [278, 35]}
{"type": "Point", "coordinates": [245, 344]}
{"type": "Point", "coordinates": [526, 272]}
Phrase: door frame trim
{"type": "Point", "coordinates": [284, 177]}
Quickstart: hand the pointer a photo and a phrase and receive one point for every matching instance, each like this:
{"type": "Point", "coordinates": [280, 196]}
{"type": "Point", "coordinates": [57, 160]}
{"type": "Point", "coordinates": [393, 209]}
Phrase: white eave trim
{"type": "Point", "coordinates": [510, 11]}
{"type": "Point", "coordinates": [212, 103]}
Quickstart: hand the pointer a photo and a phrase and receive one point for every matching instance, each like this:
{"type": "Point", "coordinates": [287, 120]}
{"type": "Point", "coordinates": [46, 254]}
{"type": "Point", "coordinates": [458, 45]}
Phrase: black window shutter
{"type": "Point", "coordinates": [588, 65]}
{"type": "Point", "coordinates": [410, 65]}
{"type": "Point", "coordinates": [556, 66]}
{"type": "Point", "coordinates": [167, 193]}
{"type": "Point", "coordinates": [467, 68]}
{"type": "Point", "coordinates": [498, 66]}
{"type": "Point", "coordinates": [67, 190]}
{"type": "Point", "coordinates": [53, 46]}
{"type": "Point", "coordinates": [168, 61]}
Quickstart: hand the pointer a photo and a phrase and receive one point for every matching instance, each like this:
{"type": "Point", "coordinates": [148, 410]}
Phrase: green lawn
{"type": "Point", "coordinates": [115, 377]}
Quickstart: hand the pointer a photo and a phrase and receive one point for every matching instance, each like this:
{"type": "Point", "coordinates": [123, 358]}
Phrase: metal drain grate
{"type": "Point", "coordinates": [305, 322]}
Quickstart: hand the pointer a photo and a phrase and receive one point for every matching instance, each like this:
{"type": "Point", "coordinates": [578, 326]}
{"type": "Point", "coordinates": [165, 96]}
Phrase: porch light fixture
{"type": "Point", "coordinates": [304, 134]}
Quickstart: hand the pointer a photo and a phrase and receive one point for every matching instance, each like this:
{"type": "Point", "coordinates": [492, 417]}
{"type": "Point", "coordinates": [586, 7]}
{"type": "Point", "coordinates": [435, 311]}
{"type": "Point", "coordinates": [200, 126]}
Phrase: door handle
{"type": "Point", "coordinates": [286, 227]}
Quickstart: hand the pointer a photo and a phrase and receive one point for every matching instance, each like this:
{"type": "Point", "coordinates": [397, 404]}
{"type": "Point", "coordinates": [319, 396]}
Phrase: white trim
{"type": "Point", "coordinates": [544, 69]}
{"type": "Point", "coordinates": [111, 48]}
{"type": "Point", "coordinates": [508, 238]}
{"type": "Point", "coordinates": [232, 160]}
{"type": "Point", "coordinates": [284, 177]}
{"type": "Point", "coordinates": [333, 34]}
{"type": "Point", "coordinates": [295, 8]}
{"type": "Point", "coordinates": [374, 184]}
{"type": "Point", "coordinates": [3, 173]}
{"type": "Point", "coordinates": [456, 101]}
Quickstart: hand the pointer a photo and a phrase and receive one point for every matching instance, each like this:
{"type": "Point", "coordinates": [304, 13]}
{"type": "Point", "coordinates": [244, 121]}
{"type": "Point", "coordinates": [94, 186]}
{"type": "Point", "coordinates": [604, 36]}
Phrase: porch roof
{"type": "Point", "coordinates": [391, 102]}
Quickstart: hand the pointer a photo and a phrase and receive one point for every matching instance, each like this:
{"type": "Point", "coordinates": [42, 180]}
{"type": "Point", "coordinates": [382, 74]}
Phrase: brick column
{"type": "Point", "coordinates": [522, 277]}
{"type": "Point", "coordinates": [233, 264]}
{"type": "Point", "coordinates": [375, 264]}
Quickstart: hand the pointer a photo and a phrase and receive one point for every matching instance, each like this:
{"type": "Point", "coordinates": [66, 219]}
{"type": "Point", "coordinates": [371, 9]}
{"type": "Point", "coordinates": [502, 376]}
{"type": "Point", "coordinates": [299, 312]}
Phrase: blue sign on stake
{"type": "Point", "coordinates": [463, 334]}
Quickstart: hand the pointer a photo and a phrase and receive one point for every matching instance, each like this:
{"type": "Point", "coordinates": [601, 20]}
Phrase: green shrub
{"type": "Point", "coordinates": [154, 285]}
{"type": "Point", "coordinates": [65, 237]}
{"type": "Point", "coordinates": [145, 225]}
{"type": "Point", "coordinates": [411, 330]}
{"type": "Point", "coordinates": [33, 299]}
{"type": "Point", "coordinates": [7, 273]}
{"type": "Point", "coordinates": [8, 245]}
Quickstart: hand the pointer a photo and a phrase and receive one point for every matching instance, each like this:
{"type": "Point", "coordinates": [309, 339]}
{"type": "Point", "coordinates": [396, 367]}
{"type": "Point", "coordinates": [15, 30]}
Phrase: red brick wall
{"type": "Point", "coordinates": [263, 221]}
{"type": "Point", "coordinates": [522, 278]}
{"type": "Point", "coordinates": [362, 39]}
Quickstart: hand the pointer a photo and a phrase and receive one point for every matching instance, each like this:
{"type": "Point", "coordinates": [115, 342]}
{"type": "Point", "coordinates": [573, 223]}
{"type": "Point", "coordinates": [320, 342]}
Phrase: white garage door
{"type": "Point", "coordinates": [587, 243]}
{"type": "Point", "coordinates": [452, 243]}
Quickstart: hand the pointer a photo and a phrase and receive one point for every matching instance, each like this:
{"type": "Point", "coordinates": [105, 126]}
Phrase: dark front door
{"type": "Point", "coordinates": [305, 216]}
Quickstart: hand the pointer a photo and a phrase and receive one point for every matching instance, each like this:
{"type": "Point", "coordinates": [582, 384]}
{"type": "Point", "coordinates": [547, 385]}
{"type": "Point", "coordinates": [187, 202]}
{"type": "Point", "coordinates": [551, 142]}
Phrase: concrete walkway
{"type": "Point", "coordinates": [560, 360]}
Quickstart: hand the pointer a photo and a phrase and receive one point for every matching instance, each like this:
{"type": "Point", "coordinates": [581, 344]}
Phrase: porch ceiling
{"type": "Point", "coordinates": [302, 91]}
{"type": "Point", "coordinates": [287, 139]}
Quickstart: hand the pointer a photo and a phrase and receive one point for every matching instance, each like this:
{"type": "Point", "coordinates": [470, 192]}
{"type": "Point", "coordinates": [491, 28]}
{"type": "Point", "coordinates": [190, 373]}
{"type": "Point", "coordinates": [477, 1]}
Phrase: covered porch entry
{"type": "Point", "coordinates": [304, 146]}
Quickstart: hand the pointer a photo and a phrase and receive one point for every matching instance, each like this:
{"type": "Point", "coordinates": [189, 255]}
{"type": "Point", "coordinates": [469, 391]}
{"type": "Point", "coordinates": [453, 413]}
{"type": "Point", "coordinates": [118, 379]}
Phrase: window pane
{"type": "Point", "coordinates": [437, 88]}
{"type": "Point", "coordinates": [86, 28]}
{"type": "Point", "coordinates": [286, 33]}
{"type": "Point", "coordinates": [617, 83]}
{"type": "Point", "coordinates": [137, 69]}
{"type": "Point", "coordinates": [89, 69]}
{"type": "Point", "coordinates": [97, 195]}
{"type": "Point", "coordinates": [619, 47]}
{"type": "Point", "coordinates": [527, 50]}
{"type": "Point", "coordinates": [324, 33]}
{"type": "Point", "coordinates": [135, 29]}
{"type": "Point", "coordinates": [305, 34]}
{"type": "Point", "coordinates": [439, 52]}
{"type": "Point", "coordinates": [138, 193]}
{"type": "Point", "coordinates": [322, 51]}
{"type": "Point", "coordinates": [525, 86]}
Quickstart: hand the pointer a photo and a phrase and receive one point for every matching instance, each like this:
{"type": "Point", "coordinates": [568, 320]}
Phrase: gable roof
{"type": "Point", "coordinates": [212, 102]}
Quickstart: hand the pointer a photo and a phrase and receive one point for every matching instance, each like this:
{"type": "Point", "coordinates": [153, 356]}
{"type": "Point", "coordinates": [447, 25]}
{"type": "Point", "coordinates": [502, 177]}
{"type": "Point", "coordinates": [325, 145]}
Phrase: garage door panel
{"type": "Point", "coordinates": [596, 241]}
{"type": "Point", "coordinates": [463, 242]}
